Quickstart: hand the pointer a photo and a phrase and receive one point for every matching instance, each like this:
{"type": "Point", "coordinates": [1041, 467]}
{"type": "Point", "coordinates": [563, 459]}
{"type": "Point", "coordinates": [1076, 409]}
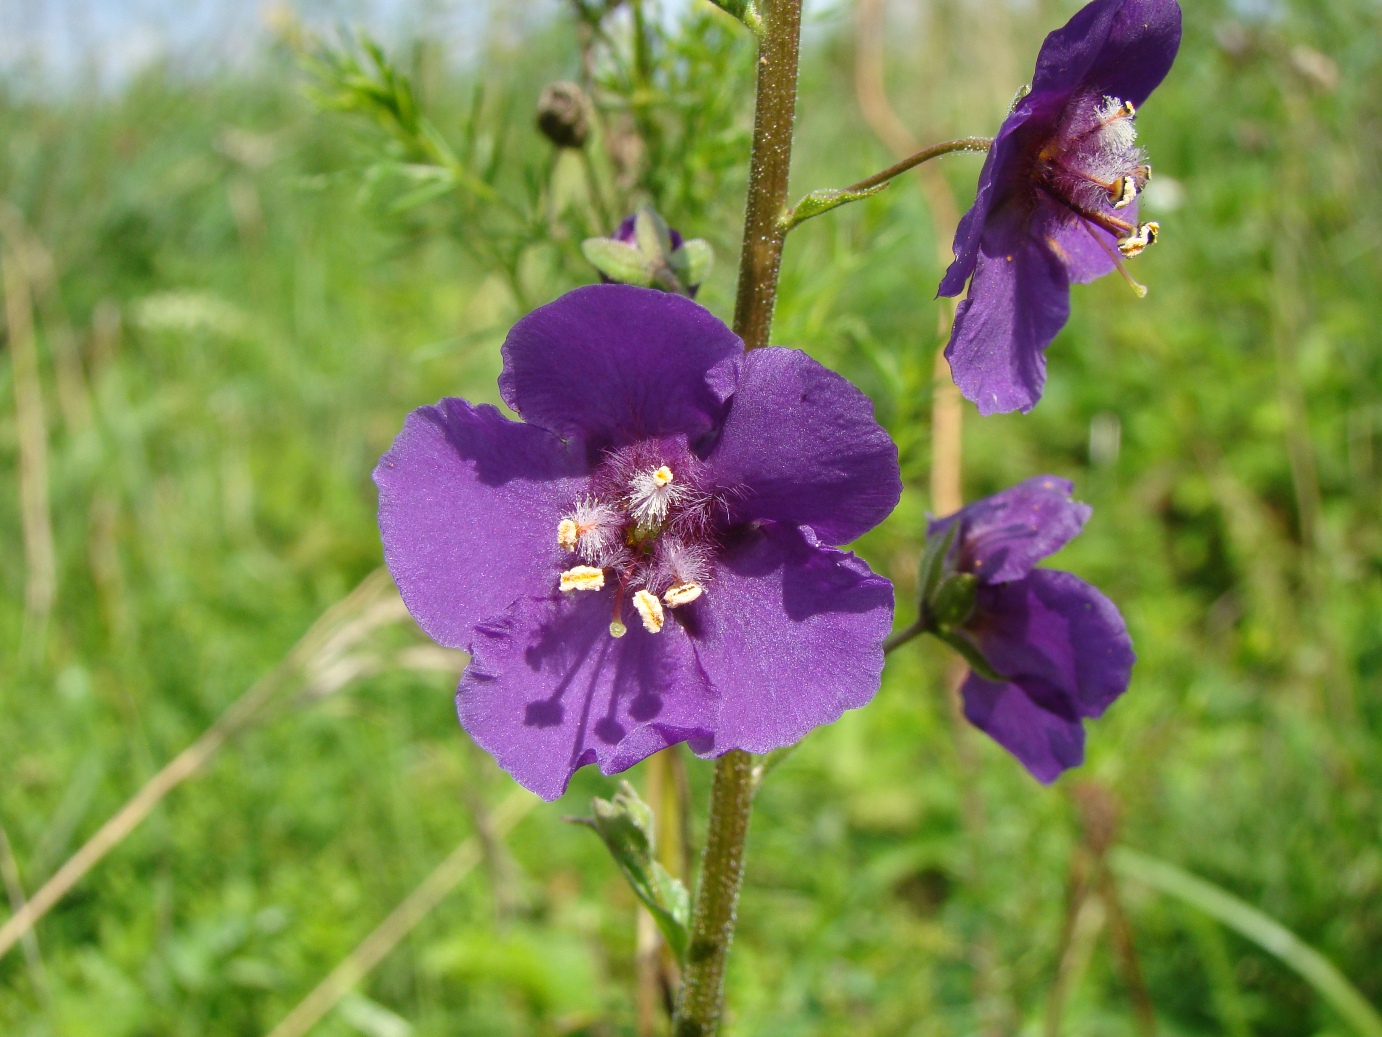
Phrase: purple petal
{"type": "Point", "coordinates": [1001, 165]}
{"type": "Point", "coordinates": [1056, 637]}
{"type": "Point", "coordinates": [1114, 48]}
{"type": "Point", "coordinates": [468, 509]}
{"type": "Point", "coordinates": [790, 634]}
{"type": "Point", "coordinates": [1002, 537]}
{"type": "Point", "coordinates": [1018, 301]}
{"type": "Point", "coordinates": [548, 690]}
{"type": "Point", "coordinates": [1066, 653]}
{"type": "Point", "coordinates": [1138, 52]}
{"type": "Point", "coordinates": [1076, 242]}
{"type": "Point", "coordinates": [612, 363]}
{"type": "Point", "coordinates": [1047, 745]}
{"type": "Point", "coordinates": [801, 446]}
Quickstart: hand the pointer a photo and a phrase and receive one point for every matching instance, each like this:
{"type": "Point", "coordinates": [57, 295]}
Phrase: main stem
{"type": "Point", "coordinates": [731, 797]}
{"type": "Point", "coordinates": [769, 164]}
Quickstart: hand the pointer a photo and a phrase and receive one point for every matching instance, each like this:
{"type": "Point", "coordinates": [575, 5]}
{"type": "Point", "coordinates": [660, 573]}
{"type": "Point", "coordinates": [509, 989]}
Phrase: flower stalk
{"type": "Point", "coordinates": [701, 997]}
{"type": "Point", "coordinates": [924, 155]}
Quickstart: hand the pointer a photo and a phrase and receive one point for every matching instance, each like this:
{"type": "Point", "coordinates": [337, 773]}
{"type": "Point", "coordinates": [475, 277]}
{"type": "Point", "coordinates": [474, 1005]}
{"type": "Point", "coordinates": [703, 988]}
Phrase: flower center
{"type": "Point", "coordinates": [1094, 168]}
{"type": "Point", "coordinates": [646, 527]}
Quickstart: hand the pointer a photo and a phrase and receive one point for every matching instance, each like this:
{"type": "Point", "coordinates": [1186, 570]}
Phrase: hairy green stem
{"type": "Point", "coordinates": [717, 897]}
{"type": "Point", "coordinates": [924, 155]}
{"type": "Point", "coordinates": [731, 798]}
{"type": "Point", "coordinates": [768, 168]}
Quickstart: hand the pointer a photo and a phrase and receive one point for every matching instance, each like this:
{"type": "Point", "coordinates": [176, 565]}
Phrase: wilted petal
{"type": "Point", "coordinates": [611, 364]}
{"type": "Point", "coordinates": [468, 509]}
{"type": "Point", "coordinates": [1002, 537]}
{"type": "Point", "coordinates": [790, 634]}
{"type": "Point", "coordinates": [801, 446]}
{"type": "Point", "coordinates": [548, 690]}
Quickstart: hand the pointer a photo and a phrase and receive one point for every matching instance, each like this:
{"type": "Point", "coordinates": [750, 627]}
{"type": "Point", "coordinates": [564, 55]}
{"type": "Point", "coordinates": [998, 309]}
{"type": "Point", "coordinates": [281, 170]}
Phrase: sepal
{"type": "Point", "coordinates": [625, 825]}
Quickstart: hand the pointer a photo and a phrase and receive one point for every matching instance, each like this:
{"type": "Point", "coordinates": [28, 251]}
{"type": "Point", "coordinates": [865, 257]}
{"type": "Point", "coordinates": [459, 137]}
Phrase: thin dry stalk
{"type": "Point", "coordinates": [667, 793]}
{"type": "Point", "coordinates": [402, 920]}
{"type": "Point", "coordinates": [14, 890]}
{"type": "Point", "coordinates": [307, 655]}
{"type": "Point", "coordinates": [40, 587]}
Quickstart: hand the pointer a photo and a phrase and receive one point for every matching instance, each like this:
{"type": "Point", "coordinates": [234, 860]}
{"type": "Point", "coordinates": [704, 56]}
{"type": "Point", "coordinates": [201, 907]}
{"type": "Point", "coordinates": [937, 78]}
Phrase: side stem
{"type": "Point", "coordinates": [924, 155]}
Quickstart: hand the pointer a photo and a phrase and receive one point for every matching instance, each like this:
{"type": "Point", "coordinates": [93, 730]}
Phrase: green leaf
{"type": "Point", "coordinates": [1267, 933]}
{"type": "Point", "coordinates": [618, 261]}
{"type": "Point", "coordinates": [693, 261]}
{"type": "Point", "coordinates": [745, 10]}
{"type": "Point", "coordinates": [625, 825]}
{"type": "Point", "coordinates": [823, 201]}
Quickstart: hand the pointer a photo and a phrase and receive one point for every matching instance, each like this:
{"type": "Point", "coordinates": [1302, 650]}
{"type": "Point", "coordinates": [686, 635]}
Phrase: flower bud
{"type": "Point", "coordinates": [561, 115]}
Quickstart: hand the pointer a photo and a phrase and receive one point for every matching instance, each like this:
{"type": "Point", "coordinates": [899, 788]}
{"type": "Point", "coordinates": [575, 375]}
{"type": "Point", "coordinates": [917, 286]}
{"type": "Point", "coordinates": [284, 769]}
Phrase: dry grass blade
{"type": "Point", "coordinates": [40, 587]}
{"type": "Point", "coordinates": [329, 637]}
{"type": "Point", "coordinates": [402, 920]}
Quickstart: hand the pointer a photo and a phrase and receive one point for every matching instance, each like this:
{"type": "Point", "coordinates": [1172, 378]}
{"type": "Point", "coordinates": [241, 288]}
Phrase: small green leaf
{"type": "Point", "coordinates": [618, 261]}
{"type": "Point", "coordinates": [693, 261]}
{"type": "Point", "coordinates": [625, 825]}
{"type": "Point", "coordinates": [745, 10]}
{"type": "Point", "coordinates": [823, 201]}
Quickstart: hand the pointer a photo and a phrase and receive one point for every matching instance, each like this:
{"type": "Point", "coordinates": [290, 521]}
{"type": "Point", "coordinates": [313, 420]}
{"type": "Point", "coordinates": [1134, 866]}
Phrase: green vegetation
{"type": "Point", "coordinates": [237, 296]}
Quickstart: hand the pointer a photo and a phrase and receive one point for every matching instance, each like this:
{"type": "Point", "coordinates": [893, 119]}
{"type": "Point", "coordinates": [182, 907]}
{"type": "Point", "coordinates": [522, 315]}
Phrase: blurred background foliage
{"type": "Point", "coordinates": [224, 290]}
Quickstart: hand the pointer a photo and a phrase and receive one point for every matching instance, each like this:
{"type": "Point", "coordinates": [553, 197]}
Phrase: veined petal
{"type": "Point", "coordinates": [1137, 52]}
{"type": "Point", "coordinates": [1002, 537]}
{"type": "Point", "coordinates": [801, 446]}
{"type": "Point", "coordinates": [548, 690]}
{"type": "Point", "coordinates": [1018, 301]}
{"type": "Point", "coordinates": [611, 364]}
{"type": "Point", "coordinates": [790, 635]}
{"type": "Point", "coordinates": [468, 508]}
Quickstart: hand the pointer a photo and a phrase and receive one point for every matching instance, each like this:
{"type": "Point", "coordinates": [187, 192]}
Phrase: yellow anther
{"type": "Point", "coordinates": [682, 593]}
{"type": "Point", "coordinates": [1123, 192]}
{"type": "Point", "coordinates": [662, 476]}
{"type": "Point", "coordinates": [1139, 239]}
{"type": "Point", "coordinates": [582, 578]}
{"type": "Point", "coordinates": [568, 534]}
{"type": "Point", "coordinates": [649, 610]}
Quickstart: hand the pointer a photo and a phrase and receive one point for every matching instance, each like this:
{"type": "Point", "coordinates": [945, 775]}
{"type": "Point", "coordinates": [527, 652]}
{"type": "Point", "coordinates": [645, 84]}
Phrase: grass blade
{"type": "Point", "coordinates": [1270, 935]}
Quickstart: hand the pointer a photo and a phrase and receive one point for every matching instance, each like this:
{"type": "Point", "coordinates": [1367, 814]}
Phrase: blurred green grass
{"type": "Point", "coordinates": [233, 338]}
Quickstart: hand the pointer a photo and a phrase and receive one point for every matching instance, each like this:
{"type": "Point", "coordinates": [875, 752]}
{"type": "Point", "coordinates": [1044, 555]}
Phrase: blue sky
{"type": "Point", "coordinates": [113, 38]}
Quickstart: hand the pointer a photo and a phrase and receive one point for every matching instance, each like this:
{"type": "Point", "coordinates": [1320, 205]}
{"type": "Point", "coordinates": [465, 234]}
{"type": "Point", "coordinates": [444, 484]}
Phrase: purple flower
{"type": "Point", "coordinates": [1057, 198]}
{"type": "Point", "coordinates": [1047, 650]}
{"type": "Point", "coordinates": [647, 557]}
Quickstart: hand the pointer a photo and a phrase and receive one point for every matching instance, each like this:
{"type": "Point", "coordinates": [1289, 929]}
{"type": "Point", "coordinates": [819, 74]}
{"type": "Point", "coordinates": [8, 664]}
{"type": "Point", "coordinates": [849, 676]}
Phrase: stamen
{"type": "Point", "coordinates": [582, 578]}
{"type": "Point", "coordinates": [651, 495]}
{"type": "Point", "coordinates": [649, 609]}
{"type": "Point", "coordinates": [1123, 192]}
{"type": "Point", "coordinates": [1140, 290]}
{"type": "Point", "coordinates": [662, 476]}
{"type": "Point", "coordinates": [1135, 243]}
{"type": "Point", "coordinates": [682, 593]}
{"type": "Point", "coordinates": [1113, 109]}
{"type": "Point", "coordinates": [568, 534]}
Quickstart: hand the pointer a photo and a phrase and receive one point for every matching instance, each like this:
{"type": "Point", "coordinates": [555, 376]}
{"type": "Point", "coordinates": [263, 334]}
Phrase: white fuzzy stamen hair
{"type": "Point", "coordinates": [652, 494]}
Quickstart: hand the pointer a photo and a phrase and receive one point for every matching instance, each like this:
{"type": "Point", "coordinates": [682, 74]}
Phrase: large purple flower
{"type": "Point", "coordinates": [1057, 198]}
{"type": "Point", "coordinates": [1047, 650]}
{"type": "Point", "coordinates": [647, 557]}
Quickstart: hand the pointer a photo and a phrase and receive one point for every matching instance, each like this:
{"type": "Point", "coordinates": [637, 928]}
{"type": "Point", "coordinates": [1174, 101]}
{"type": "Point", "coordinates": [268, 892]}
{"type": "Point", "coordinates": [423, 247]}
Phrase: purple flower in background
{"type": "Point", "coordinates": [647, 557]}
{"type": "Point", "coordinates": [1047, 649]}
{"type": "Point", "coordinates": [645, 251]}
{"type": "Point", "coordinates": [1057, 198]}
